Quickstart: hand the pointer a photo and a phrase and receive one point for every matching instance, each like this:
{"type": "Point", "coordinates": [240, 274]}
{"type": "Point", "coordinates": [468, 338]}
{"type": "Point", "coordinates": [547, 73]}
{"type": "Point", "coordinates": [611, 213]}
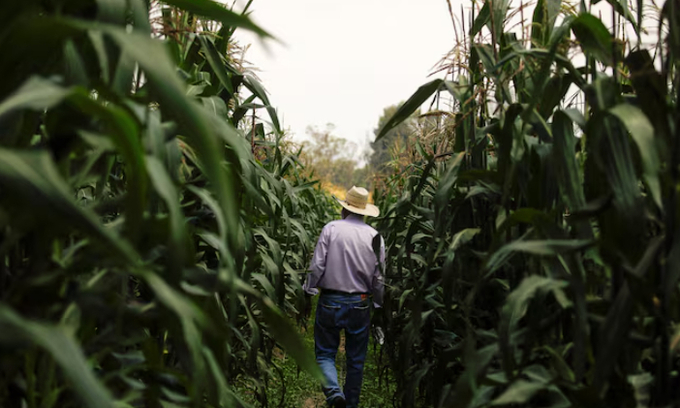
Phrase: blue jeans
{"type": "Point", "coordinates": [336, 312]}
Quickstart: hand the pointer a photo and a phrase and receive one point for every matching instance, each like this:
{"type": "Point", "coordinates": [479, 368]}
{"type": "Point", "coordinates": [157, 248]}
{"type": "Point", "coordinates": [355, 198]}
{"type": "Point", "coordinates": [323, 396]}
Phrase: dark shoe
{"type": "Point", "coordinates": [337, 402]}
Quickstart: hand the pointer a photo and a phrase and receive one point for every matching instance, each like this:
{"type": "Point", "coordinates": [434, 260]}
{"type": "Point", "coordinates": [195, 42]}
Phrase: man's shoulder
{"type": "Point", "coordinates": [373, 230]}
{"type": "Point", "coordinates": [331, 224]}
{"type": "Point", "coordinates": [345, 224]}
{"type": "Point", "coordinates": [348, 223]}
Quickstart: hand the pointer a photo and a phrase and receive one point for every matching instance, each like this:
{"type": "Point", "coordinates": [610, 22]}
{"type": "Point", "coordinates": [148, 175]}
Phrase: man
{"type": "Point", "coordinates": [346, 272]}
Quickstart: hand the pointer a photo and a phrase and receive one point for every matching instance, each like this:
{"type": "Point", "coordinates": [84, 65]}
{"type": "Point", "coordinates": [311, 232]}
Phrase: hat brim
{"type": "Point", "coordinates": [370, 210]}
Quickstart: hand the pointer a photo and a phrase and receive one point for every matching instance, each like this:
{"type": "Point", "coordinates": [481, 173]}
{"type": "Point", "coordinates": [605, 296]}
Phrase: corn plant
{"type": "Point", "coordinates": [147, 257]}
{"type": "Point", "coordinates": [534, 263]}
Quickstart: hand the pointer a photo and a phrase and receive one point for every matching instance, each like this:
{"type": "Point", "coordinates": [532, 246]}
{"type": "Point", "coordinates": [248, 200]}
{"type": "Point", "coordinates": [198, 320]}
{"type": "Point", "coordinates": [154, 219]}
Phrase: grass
{"type": "Point", "coordinates": [301, 390]}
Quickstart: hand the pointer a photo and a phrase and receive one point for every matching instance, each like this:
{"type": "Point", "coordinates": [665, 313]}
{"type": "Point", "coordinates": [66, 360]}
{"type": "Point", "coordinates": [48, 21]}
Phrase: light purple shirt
{"type": "Point", "coordinates": [344, 259]}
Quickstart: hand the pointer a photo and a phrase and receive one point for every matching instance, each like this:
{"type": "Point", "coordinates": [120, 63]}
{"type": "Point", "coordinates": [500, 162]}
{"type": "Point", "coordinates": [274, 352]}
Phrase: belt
{"type": "Point", "coordinates": [339, 292]}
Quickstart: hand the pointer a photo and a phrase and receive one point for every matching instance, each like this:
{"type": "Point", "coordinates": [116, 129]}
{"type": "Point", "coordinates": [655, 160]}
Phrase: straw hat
{"type": "Point", "coordinates": [356, 201]}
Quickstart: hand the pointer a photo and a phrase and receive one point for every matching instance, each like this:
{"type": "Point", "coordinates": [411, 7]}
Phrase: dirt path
{"type": "Point", "coordinates": [314, 402]}
{"type": "Point", "coordinates": [302, 391]}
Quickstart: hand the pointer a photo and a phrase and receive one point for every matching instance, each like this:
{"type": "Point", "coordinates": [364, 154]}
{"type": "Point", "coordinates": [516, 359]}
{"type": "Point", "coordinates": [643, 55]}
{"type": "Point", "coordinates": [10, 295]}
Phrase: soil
{"type": "Point", "coordinates": [314, 402]}
{"type": "Point", "coordinates": [318, 401]}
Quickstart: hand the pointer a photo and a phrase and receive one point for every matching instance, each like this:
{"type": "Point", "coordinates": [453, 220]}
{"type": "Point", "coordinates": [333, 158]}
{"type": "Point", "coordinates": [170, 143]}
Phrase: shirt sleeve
{"type": "Point", "coordinates": [318, 264]}
{"type": "Point", "coordinates": [378, 286]}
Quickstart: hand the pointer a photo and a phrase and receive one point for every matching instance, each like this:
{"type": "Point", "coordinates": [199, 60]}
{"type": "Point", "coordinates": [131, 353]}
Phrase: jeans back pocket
{"type": "Point", "coordinates": [359, 316]}
{"type": "Point", "coordinates": [327, 314]}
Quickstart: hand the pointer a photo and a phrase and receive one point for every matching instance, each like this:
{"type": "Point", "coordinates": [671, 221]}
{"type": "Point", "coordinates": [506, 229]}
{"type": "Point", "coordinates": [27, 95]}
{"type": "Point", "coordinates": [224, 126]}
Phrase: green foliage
{"type": "Point", "coordinates": [153, 240]}
{"type": "Point", "coordinates": [148, 257]}
{"type": "Point", "coordinates": [382, 146]}
{"type": "Point", "coordinates": [528, 266]}
{"type": "Point", "coordinates": [292, 388]}
{"type": "Point", "coordinates": [333, 159]}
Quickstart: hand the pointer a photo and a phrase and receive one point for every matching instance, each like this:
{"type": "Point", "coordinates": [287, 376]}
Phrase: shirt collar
{"type": "Point", "coordinates": [355, 218]}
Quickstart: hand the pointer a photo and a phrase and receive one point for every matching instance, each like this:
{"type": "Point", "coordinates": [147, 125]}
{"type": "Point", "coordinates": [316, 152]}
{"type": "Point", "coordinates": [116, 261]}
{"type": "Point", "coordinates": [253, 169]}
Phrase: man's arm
{"type": "Point", "coordinates": [378, 287]}
{"type": "Point", "coordinates": [318, 264]}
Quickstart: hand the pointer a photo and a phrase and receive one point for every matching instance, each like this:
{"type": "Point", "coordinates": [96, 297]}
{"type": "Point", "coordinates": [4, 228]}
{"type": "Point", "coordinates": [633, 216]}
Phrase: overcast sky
{"type": "Point", "coordinates": [342, 62]}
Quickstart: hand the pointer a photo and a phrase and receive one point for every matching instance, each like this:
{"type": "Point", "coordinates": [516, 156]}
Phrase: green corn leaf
{"type": "Point", "coordinates": [210, 202]}
{"type": "Point", "coordinates": [611, 152]}
{"type": "Point", "coordinates": [671, 279]}
{"type": "Point", "coordinates": [111, 11]}
{"type": "Point", "coordinates": [463, 237]}
{"type": "Point", "coordinates": [124, 131]}
{"type": "Point", "coordinates": [266, 284]}
{"type": "Point", "coordinates": [485, 54]}
{"type": "Point", "coordinates": [273, 115]}
{"type": "Point", "coordinates": [517, 302]}
{"type": "Point", "coordinates": [564, 148]}
{"type": "Point", "coordinates": [447, 182]}
{"type": "Point", "coordinates": [218, 12]}
{"type": "Point", "coordinates": [556, 88]}
{"type": "Point", "coordinates": [642, 132]}
{"type": "Point", "coordinates": [612, 337]}
{"type": "Point", "coordinates": [652, 93]}
{"type": "Point", "coordinates": [282, 331]}
{"type": "Point", "coordinates": [241, 110]}
{"type": "Point", "coordinates": [140, 15]}
{"type": "Point", "coordinates": [519, 392]}
{"type": "Point", "coordinates": [40, 94]}
{"type": "Point", "coordinates": [516, 307]}
{"type": "Point", "coordinates": [640, 13]}
{"type": "Point", "coordinates": [403, 297]}
{"type": "Point", "coordinates": [97, 40]}
{"type": "Point", "coordinates": [551, 55]}
{"type": "Point", "coordinates": [460, 90]}
{"type": "Point", "coordinates": [33, 182]}
{"type": "Point", "coordinates": [225, 397]}
{"type": "Point", "coordinates": [594, 37]}
{"type": "Point", "coordinates": [75, 66]}
{"type": "Point", "coordinates": [216, 106]}
{"type": "Point", "coordinates": [272, 245]}
{"type": "Point", "coordinates": [500, 11]}
{"type": "Point", "coordinates": [65, 351]}
{"type": "Point", "coordinates": [214, 241]}
{"type": "Point", "coordinates": [476, 362]}
{"type": "Point", "coordinates": [216, 63]}
{"type": "Point", "coordinates": [576, 116]}
{"type": "Point", "coordinates": [258, 91]}
{"type": "Point", "coordinates": [35, 94]}
{"type": "Point", "coordinates": [256, 88]}
{"type": "Point", "coordinates": [482, 19]}
{"type": "Point", "coordinates": [178, 238]}
{"type": "Point", "coordinates": [411, 105]}
{"type": "Point", "coordinates": [545, 14]}
{"type": "Point", "coordinates": [621, 7]}
{"type": "Point", "coordinates": [538, 247]}
{"type": "Point", "coordinates": [191, 319]}
{"type": "Point", "coordinates": [202, 131]}
{"type": "Point", "coordinates": [250, 105]}
{"type": "Point", "coordinates": [156, 138]}
{"type": "Point", "coordinates": [125, 72]}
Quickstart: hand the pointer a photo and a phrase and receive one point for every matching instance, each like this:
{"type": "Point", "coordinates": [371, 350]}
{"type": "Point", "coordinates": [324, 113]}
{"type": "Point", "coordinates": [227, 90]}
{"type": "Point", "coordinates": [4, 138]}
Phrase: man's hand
{"type": "Point", "coordinates": [377, 321]}
{"type": "Point", "coordinates": [307, 311]}
{"type": "Point", "coordinates": [378, 316]}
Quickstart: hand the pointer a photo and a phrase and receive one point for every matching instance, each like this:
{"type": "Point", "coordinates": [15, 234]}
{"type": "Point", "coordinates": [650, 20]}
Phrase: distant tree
{"type": "Point", "coordinates": [363, 177]}
{"type": "Point", "coordinates": [399, 136]}
{"type": "Point", "coordinates": [332, 158]}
